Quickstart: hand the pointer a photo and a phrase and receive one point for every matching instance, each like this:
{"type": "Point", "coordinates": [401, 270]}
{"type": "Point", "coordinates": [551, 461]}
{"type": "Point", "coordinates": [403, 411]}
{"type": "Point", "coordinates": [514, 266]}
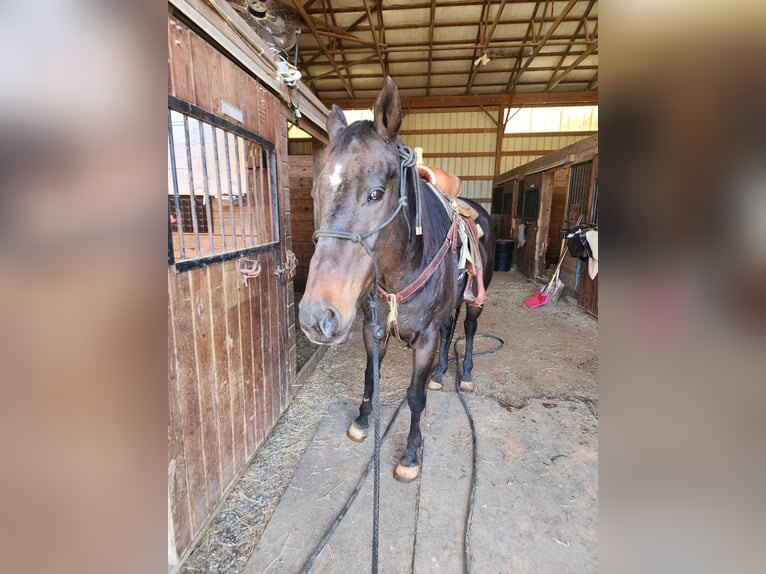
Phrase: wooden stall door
{"type": "Point", "coordinates": [528, 208]}
{"type": "Point", "coordinates": [588, 293]}
{"type": "Point", "coordinates": [229, 368]}
{"type": "Point", "coordinates": [527, 253]}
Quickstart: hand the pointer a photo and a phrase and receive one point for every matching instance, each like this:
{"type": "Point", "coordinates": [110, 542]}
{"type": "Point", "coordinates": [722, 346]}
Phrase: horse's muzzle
{"type": "Point", "coordinates": [322, 323]}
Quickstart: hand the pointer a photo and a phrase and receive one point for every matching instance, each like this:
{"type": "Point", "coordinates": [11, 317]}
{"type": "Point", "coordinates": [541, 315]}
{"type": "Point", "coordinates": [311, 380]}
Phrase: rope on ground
{"type": "Point", "coordinates": [474, 464]}
{"type": "Point", "coordinates": [376, 335]}
{"type": "Point", "coordinates": [375, 460]}
{"type": "Point", "coordinates": [357, 489]}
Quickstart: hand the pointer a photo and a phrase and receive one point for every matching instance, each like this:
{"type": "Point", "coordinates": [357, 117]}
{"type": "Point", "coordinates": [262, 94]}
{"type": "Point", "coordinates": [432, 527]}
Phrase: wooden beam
{"type": "Point", "coordinates": [435, 74]}
{"type": "Point", "coordinates": [593, 83]}
{"type": "Point", "coordinates": [556, 80]}
{"type": "Point", "coordinates": [447, 131]}
{"type": "Point", "coordinates": [325, 6]}
{"type": "Point", "coordinates": [466, 24]}
{"type": "Point", "coordinates": [346, 65]}
{"type": "Point", "coordinates": [310, 23]}
{"type": "Point", "coordinates": [379, 6]}
{"type": "Point", "coordinates": [499, 138]}
{"type": "Point", "coordinates": [491, 117]}
{"type": "Point", "coordinates": [541, 43]}
{"type": "Point", "coordinates": [447, 46]}
{"type": "Point", "coordinates": [375, 39]}
{"type": "Point", "coordinates": [481, 42]}
{"type": "Point", "coordinates": [430, 45]}
{"type": "Point", "coordinates": [507, 100]}
{"type": "Point", "coordinates": [580, 26]}
{"type": "Point", "coordinates": [350, 37]}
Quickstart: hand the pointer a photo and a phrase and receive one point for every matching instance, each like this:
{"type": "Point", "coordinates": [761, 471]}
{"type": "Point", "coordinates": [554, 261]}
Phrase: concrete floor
{"type": "Point", "coordinates": [535, 410]}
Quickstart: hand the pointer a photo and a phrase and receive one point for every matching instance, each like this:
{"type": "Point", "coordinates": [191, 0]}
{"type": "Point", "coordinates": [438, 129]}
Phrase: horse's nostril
{"type": "Point", "coordinates": [328, 323]}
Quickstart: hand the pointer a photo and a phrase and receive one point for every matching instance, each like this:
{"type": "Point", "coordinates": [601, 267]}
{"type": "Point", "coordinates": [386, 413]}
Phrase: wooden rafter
{"type": "Point", "coordinates": [346, 66]}
{"type": "Point", "coordinates": [431, 23]}
{"type": "Point", "coordinates": [379, 6]}
{"type": "Point", "coordinates": [447, 46]}
{"type": "Point", "coordinates": [542, 42]}
{"type": "Point", "coordinates": [480, 41]}
{"type": "Point", "coordinates": [556, 80]}
{"type": "Point", "coordinates": [327, 5]}
{"type": "Point", "coordinates": [582, 25]}
{"type": "Point", "coordinates": [310, 23]}
{"type": "Point", "coordinates": [469, 23]}
{"type": "Point", "coordinates": [357, 44]}
{"type": "Point", "coordinates": [532, 99]}
{"type": "Point", "coordinates": [517, 64]}
{"type": "Point", "coordinates": [375, 40]}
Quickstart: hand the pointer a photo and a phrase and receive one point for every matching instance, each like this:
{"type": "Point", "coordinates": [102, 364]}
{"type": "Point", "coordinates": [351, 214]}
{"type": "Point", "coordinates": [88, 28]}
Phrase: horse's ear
{"type": "Point", "coordinates": [388, 110]}
{"type": "Point", "coordinates": [336, 122]}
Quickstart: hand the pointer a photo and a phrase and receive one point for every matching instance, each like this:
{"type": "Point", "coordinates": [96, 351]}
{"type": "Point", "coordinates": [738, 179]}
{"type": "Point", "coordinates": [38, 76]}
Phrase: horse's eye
{"type": "Point", "coordinates": [375, 194]}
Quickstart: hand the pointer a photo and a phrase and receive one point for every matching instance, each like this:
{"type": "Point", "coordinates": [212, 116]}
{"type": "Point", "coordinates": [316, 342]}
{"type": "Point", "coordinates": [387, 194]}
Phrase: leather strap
{"type": "Point", "coordinates": [421, 279]}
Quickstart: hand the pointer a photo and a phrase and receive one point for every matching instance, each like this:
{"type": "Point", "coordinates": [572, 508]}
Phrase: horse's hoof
{"type": "Point", "coordinates": [406, 473]}
{"type": "Point", "coordinates": [434, 385]}
{"type": "Point", "coordinates": [466, 386]}
{"type": "Point", "coordinates": [356, 433]}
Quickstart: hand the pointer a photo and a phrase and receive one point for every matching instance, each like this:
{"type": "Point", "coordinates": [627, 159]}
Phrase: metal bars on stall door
{"type": "Point", "coordinates": [222, 197]}
{"type": "Point", "coordinates": [579, 186]}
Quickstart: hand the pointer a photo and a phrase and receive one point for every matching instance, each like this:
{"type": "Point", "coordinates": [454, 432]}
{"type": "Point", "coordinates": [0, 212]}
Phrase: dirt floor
{"type": "Point", "coordinates": [549, 353]}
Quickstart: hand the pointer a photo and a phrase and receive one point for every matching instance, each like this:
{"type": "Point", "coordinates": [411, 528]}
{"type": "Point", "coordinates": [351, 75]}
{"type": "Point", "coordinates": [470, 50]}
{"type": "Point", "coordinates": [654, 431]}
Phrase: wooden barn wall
{"type": "Point", "coordinates": [231, 347]}
{"type": "Point", "coordinates": [302, 214]}
{"type": "Point", "coordinates": [465, 142]}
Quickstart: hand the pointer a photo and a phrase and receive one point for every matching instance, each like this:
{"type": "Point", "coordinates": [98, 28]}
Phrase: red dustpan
{"type": "Point", "coordinates": [538, 299]}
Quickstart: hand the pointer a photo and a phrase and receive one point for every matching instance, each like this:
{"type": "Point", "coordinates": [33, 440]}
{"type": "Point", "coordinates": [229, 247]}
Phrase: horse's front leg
{"type": "Point", "coordinates": [471, 319]}
{"type": "Point", "coordinates": [408, 468]}
{"type": "Point", "coordinates": [360, 427]}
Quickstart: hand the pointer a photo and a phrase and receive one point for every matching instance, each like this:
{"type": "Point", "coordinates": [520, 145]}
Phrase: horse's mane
{"type": "Point", "coordinates": [434, 218]}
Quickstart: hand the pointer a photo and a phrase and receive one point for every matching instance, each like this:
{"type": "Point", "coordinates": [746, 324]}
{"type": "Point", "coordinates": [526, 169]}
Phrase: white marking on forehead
{"type": "Point", "coordinates": [335, 178]}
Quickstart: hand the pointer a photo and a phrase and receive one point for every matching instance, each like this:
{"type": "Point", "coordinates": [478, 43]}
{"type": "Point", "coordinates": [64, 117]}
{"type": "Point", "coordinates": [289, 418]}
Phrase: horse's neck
{"type": "Point", "coordinates": [416, 253]}
{"type": "Point", "coordinates": [403, 263]}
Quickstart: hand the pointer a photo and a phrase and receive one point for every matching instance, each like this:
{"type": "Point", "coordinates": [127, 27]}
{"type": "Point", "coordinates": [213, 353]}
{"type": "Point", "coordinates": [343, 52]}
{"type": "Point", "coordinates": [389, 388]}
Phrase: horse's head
{"type": "Point", "coordinates": [356, 192]}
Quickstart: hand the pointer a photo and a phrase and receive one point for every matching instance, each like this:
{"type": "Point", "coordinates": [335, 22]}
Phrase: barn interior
{"type": "Point", "coordinates": [501, 93]}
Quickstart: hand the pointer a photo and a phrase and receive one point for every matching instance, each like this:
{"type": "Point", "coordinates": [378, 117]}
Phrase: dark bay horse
{"type": "Point", "coordinates": [368, 211]}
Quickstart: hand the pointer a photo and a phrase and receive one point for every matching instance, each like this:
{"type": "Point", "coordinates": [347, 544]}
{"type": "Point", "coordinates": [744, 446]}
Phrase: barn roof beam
{"type": "Point", "coordinates": [447, 46]}
{"type": "Point", "coordinates": [347, 65]}
{"type": "Point", "coordinates": [582, 25]}
{"type": "Point", "coordinates": [542, 42]}
{"type": "Point", "coordinates": [556, 79]}
{"type": "Point", "coordinates": [507, 100]}
{"type": "Point", "coordinates": [375, 36]}
{"type": "Point", "coordinates": [379, 4]}
{"type": "Point", "coordinates": [326, 5]}
{"type": "Point", "coordinates": [309, 22]}
{"type": "Point", "coordinates": [466, 23]}
{"type": "Point", "coordinates": [483, 38]}
{"type": "Point", "coordinates": [431, 24]}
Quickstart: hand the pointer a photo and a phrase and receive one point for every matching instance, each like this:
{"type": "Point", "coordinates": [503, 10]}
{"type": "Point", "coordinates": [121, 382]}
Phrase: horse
{"type": "Point", "coordinates": [381, 228]}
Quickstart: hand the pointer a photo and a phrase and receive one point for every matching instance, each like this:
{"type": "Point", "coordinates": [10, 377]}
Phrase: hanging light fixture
{"type": "Point", "coordinates": [483, 60]}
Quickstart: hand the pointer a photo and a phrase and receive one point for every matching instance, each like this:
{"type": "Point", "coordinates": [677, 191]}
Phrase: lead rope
{"type": "Point", "coordinates": [377, 332]}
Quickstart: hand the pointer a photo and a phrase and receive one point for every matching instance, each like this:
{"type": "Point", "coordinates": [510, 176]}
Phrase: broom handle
{"type": "Point", "coordinates": [558, 265]}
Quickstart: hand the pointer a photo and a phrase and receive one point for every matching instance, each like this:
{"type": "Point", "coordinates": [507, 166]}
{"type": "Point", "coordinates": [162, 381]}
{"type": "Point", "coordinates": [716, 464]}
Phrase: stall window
{"type": "Point", "coordinates": [222, 189]}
